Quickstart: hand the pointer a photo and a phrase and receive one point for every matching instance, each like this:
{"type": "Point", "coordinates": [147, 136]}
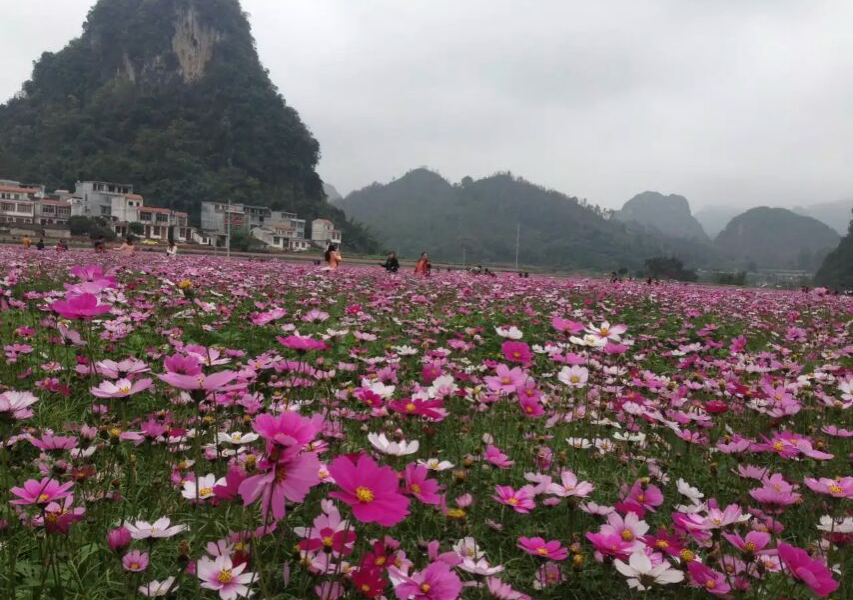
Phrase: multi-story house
{"type": "Point", "coordinates": [256, 216]}
{"type": "Point", "coordinates": [323, 232]}
{"type": "Point", "coordinates": [217, 216]}
{"type": "Point", "coordinates": [49, 211]}
{"type": "Point", "coordinates": [17, 203]}
{"type": "Point", "coordinates": [95, 198]}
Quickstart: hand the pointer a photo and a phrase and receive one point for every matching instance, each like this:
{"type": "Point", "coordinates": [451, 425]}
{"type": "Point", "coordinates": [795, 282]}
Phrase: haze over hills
{"type": "Point", "coordinates": [423, 212]}
{"type": "Point", "coordinates": [835, 214]}
{"type": "Point", "coordinates": [667, 215]}
{"type": "Point", "coordinates": [168, 95]}
{"type": "Point", "coordinates": [715, 218]}
{"type": "Point", "coordinates": [776, 238]}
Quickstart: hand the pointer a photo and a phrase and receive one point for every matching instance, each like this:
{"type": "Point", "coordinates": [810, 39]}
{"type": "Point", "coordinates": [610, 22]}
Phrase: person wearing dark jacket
{"type": "Point", "coordinates": [391, 264]}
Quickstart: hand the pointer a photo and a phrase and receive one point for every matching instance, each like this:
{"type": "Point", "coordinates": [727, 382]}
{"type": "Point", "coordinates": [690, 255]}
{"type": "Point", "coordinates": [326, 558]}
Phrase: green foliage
{"type": "Point", "coordinates": [243, 241]}
{"type": "Point", "coordinates": [668, 267]}
{"type": "Point", "coordinates": [137, 228]}
{"type": "Point", "coordinates": [837, 268]}
{"type": "Point", "coordinates": [737, 278]}
{"type": "Point", "coordinates": [92, 227]}
{"type": "Point", "coordinates": [114, 105]}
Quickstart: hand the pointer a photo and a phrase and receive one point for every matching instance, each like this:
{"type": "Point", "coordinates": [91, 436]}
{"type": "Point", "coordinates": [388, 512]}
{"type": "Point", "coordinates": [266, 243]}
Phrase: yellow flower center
{"type": "Point", "coordinates": [627, 535]}
{"type": "Point", "coordinates": [662, 544]}
{"type": "Point", "coordinates": [43, 498]}
{"type": "Point", "coordinates": [416, 489]}
{"type": "Point", "coordinates": [456, 513]}
{"type": "Point", "coordinates": [749, 546]}
{"type": "Point", "coordinates": [425, 587]}
{"type": "Point", "coordinates": [365, 588]}
{"type": "Point", "coordinates": [687, 555]}
{"type": "Point", "coordinates": [410, 407]}
{"type": "Point", "coordinates": [224, 576]}
{"type": "Point", "coordinates": [506, 381]}
{"type": "Point", "coordinates": [513, 501]}
{"type": "Point", "coordinates": [835, 488]}
{"type": "Point", "coordinates": [710, 584]}
{"type": "Point", "coordinates": [641, 497]}
{"type": "Point", "coordinates": [364, 495]}
{"type": "Point", "coordinates": [204, 492]}
{"type": "Point", "coordinates": [134, 566]}
{"type": "Point", "coordinates": [380, 560]}
{"type": "Point", "coordinates": [516, 354]}
{"type": "Point", "coordinates": [575, 379]}
{"type": "Point", "coordinates": [542, 551]}
{"type": "Point", "coordinates": [125, 389]}
{"type": "Point", "coordinates": [778, 446]}
{"type": "Point", "coordinates": [328, 541]}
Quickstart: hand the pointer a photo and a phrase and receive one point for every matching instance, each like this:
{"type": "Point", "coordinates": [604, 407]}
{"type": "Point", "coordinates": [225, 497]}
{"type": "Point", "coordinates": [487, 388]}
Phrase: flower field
{"type": "Point", "coordinates": [202, 428]}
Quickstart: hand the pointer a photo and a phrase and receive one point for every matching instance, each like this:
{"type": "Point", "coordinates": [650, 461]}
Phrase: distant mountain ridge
{"type": "Point", "coordinates": [423, 212]}
{"type": "Point", "coordinates": [776, 238]}
{"type": "Point", "coordinates": [669, 215]}
{"type": "Point", "coordinates": [835, 214]}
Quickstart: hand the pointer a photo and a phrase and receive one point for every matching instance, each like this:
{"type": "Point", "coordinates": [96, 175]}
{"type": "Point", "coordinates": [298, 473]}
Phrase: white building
{"type": "Point", "coordinates": [323, 232]}
{"type": "Point", "coordinates": [95, 198]}
{"type": "Point", "coordinates": [17, 203]}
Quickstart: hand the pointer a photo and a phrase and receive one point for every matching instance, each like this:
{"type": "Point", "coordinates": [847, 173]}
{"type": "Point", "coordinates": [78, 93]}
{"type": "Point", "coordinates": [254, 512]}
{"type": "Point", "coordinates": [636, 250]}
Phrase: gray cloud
{"type": "Point", "coordinates": [723, 101]}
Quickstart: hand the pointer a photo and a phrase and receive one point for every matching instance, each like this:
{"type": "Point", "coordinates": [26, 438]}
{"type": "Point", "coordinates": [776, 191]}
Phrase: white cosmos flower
{"type": "Point", "coordinates": [468, 548]}
{"type": "Point", "coordinates": [434, 464]}
{"type": "Point", "coordinates": [842, 525]}
{"type": "Point", "coordinates": [574, 376]}
{"type": "Point", "coordinates": [379, 388]}
{"type": "Point", "coordinates": [235, 437]}
{"type": "Point", "coordinates": [381, 443]}
{"type": "Point", "coordinates": [579, 443]}
{"type": "Point", "coordinates": [846, 388]}
{"type": "Point", "coordinates": [642, 575]}
{"type": "Point", "coordinates": [479, 567]}
{"type": "Point", "coordinates": [141, 530]}
{"type": "Point", "coordinates": [156, 589]}
{"type": "Point", "coordinates": [203, 487]}
{"type": "Point", "coordinates": [685, 489]}
{"type": "Point", "coordinates": [404, 350]}
{"type": "Point", "coordinates": [512, 332]}
{"type": "Point", "coordinates": [589, 340]}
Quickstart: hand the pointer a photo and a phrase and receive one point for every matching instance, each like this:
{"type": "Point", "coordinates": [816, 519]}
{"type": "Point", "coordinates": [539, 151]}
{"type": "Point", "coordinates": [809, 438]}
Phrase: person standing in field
{"type": "Point", "coordinates": [333, 258]}
{"type": "Point", "coordinates": [27, 242]}
{"type": "Point", "coordinates": [423, 267]}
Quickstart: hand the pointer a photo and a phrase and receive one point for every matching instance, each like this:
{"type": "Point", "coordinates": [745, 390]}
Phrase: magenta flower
{"type": "Point", "coordinates": [118, 538]}
{"type": "Point", "coordinates": [288, 429]}
{"type": "Point", "coordinates": [372, 491]}
{"type": "Point", "coordinates": [80, 306]}
{"type": "Point", "coordinates": [419, 485]}
{"type": "Point", "coordinates": [300, 343]}
{"type": "Point", "coordinates": [41, 492]}
{"type": "Point", "coordinates": [54, 442]}
{"type": "Point", "coordinates": [121, 388]}
{"type": "Point", "coordinates": [521, 501]}
{"type": "Point", "coordinates": [208, 383]}
{"type": "Point", "coordinates": [517, 352]}
{"type": "Point", "coordinates": [291, 478]}
{"type": "Point", "coordinates": [775, 490]}
{"type": "Point", "coordinates": [182, 365]}
{"type": "Point", "coordinates": [59, 516]}
{"type": "Point", "coordinates": [611, 544]}
{"type": "Point", "coordinates": [135, 561]}
{"type": "Point", "coordinates": [537, 546]}
{"type": "Point", "coordinates": [713, 581]}
{"type": "Point", "coordinates": [804, 568]}
{"type": "Point", "coordinates": [436, 582]}
{"type": "Point", "coordinates": [751, 544]}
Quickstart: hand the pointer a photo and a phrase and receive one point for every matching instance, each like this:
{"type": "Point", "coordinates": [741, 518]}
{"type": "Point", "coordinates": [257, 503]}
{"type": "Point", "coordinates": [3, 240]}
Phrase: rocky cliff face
{"type": "Point", "coordinates": [669, 215]}
{"type": "Point", "coordinates": [193, 43]}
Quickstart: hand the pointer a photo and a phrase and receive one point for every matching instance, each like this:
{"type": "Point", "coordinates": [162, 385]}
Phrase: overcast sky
{"type": "Point", "coordinates": [724, 101]}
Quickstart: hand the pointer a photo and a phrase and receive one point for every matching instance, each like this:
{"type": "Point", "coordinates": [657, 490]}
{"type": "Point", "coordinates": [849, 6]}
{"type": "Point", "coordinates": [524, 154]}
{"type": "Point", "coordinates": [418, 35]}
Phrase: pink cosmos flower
{"type": "Point", "coordinates": [300, 343]}
{"type": "Point", "coordinates": [804, 568]}
{"type": "Point", "coordinates": [182, 365]}
{"type": "Point", "coordinates": [610, 544]}
{"type": "Point", "coordinates": [224, 576]}
{"type": "Point", "coordinates": [436, 582]}
{"type": "Point", "coordinates": [372, 491]}
{"type": "Point", "coordinates": [121, 388]}
{"type": "Point", "coordinates": [630, 528]}
{"type": "Point", "coordinates": [647, 496]}
{"type": "Point", "coordinates": [135, 561]}
{"type": "Point", "coordinates": [503, 591]}
{"type": "Point", "coordinates": [505, 379]}
{"type": "Point", "coordinates": [841, 487]}
{"type": "Point", "coordinates": [54, 442]}
{"type": "Point", "coordinates": [59, 516]}
{"type": "Point", "coordinates": [566, 326]}
{"type": "Point", "coordinates": [753, 543]}
{"type": "Point", "coordinates": [81, 306]}
{"type": "Point", "coordinates": [498, 458]}
{"type": "Point", "coordinates": [118, 538]}
{"type": "Point", "coordinates": [775, 490]}
{"type": "Point", "coordinates": [521, 501]}
{"type": "Point", "coordinates": [713, 581]}
{"type": "Point", "coordinates": [208, 383]}
{"type": "Point", "coordinates": [517, 352]}
{"type": "Point", "coordinates": [570, 486]}
{"type": "Point", "coordinates": [537, 546]}
{"type": "Point", "coordinates": [530, 407]}
{"type": "Point", "coordinates": [17, 404]}
{"type": "Point", "coordinates": [41, 492]}
{"type": "Point", "coordinates": [418, 484]}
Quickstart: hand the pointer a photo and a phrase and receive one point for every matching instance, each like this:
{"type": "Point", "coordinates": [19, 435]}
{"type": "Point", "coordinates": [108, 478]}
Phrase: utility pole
{"type": "Point", "coordinates": [517, 242]}
{"type": "Point", "coordinates": [464, 253]}
{"type": "Point", "coordinates": [228, 231]}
